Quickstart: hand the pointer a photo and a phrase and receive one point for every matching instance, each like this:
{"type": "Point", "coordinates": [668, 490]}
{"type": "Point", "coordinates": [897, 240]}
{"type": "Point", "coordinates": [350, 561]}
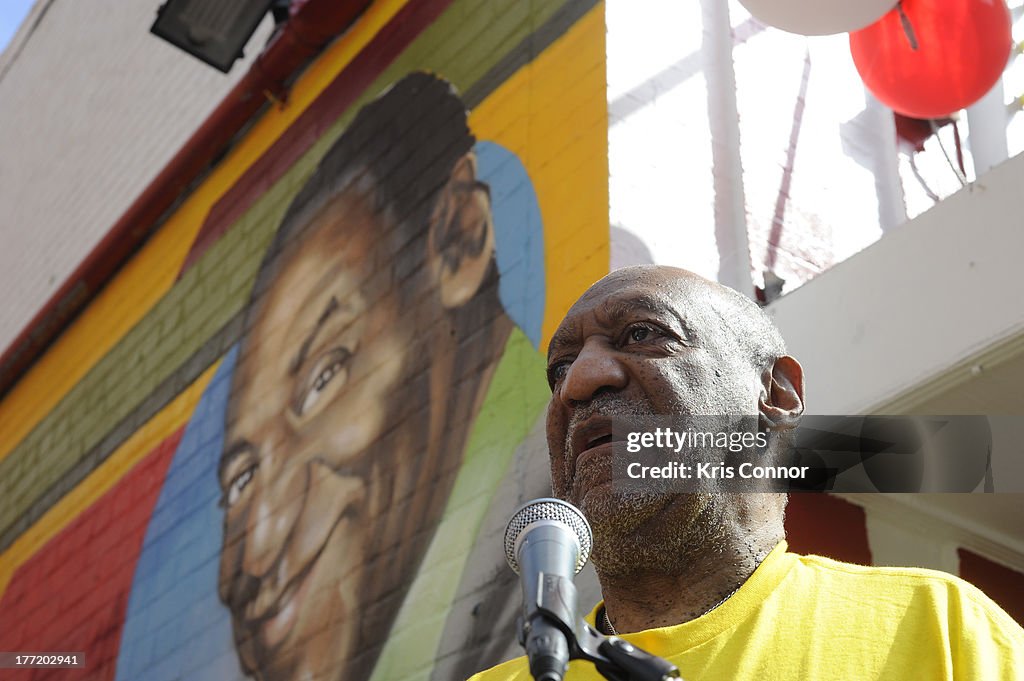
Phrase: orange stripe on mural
{"type": "Point", "coordinates": [151, 273]}
{"type": "Point", "coordinates": [143, 441]}
{"type": "Point", "coordinates": [560, 94]}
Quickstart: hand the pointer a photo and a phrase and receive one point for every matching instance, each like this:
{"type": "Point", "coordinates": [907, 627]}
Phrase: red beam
{"type": "Point", "coordinates": [313, 24]}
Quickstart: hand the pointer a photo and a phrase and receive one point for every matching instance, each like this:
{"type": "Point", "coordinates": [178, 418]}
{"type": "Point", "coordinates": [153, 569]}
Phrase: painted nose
{"type": "Point", "coordinates": [276, 504]}
{"type": "Point", "coordinates": [594, 371]}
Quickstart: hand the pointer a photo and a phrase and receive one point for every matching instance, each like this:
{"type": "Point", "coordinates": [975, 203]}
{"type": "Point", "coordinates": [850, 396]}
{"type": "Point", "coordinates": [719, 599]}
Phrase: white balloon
{"type": "Point", "coordinates": [818, 17]}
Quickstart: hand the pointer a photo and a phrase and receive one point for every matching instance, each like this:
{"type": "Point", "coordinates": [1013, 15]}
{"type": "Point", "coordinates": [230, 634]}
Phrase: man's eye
{"type": "Point", "coordinates": [638, 333]}
{"type": "Point", "coordinates": [238, 485]}
{"type": "Point", "coordinates": [557, 371]}
{"type": "Point", "coordinates": [329, 373]}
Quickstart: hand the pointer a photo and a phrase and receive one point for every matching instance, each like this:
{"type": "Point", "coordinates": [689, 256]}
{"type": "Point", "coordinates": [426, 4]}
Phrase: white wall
{"type": "Point", "coordinates": [91, 108]}
{"type": "Point", "coordinates": [932, 293]}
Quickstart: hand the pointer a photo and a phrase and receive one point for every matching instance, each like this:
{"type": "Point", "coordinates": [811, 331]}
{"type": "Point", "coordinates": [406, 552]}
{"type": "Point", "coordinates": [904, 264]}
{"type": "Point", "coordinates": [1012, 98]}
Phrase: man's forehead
{"type": "Point", "coordinates": [652, 289]}
{"type": "Point", "coordinates": [670, 282]}
{"type": "Point", "coordinates": [647, 286]}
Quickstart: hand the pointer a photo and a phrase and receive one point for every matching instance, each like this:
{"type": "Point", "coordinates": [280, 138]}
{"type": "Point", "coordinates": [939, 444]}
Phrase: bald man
{"type": "Point", "coordinates": [705, 579]}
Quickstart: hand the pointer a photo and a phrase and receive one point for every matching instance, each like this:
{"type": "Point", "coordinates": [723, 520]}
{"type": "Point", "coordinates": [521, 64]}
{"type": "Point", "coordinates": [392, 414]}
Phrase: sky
{"type": "Point", "coordinates": [12, 13]}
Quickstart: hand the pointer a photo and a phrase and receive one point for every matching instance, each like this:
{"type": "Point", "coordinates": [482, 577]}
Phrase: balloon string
{"type": "Point", "coordinates": [956, 171]}
{"type": "Point", "coordinates": [959, 149]}
{"type": "Point", "coordinates": [917, 173]}
{"type": "Point", "coordinates": [908, 28]}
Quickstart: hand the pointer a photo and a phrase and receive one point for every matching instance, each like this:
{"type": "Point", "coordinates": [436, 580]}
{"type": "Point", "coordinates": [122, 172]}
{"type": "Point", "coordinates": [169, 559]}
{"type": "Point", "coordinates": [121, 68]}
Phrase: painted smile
{"type": "Point", "coordinates": [273, 612]}
{"type": "Point", "coordinates": [274, 626]}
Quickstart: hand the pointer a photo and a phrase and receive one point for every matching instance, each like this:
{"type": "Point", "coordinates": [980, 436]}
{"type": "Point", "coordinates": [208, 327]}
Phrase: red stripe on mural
{"type": "Point", "coordinates": [72, 594]}
{"type": "Point", "coordinates": [338, 96]}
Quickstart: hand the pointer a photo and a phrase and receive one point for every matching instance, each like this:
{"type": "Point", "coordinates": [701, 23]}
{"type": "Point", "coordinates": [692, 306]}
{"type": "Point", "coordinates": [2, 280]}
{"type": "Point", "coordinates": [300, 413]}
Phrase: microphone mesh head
{"type": "Point", "coordinates": [548, 509]}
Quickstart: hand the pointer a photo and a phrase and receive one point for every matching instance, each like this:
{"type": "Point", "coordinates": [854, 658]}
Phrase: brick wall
{"type": "Point", "coordinates": [92, 106]}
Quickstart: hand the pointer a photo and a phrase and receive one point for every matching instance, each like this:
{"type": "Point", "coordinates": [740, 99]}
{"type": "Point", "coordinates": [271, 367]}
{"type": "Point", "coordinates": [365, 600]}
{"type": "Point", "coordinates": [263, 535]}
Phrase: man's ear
{"type": "Point", "coordinates": [460, 243]}
{"type": "Point", "coordinates": [782, 394]}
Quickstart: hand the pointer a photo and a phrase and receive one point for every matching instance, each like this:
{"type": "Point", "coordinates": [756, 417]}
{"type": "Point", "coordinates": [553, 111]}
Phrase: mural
{"type": "Point", "coordinates": [312, 393]}
{"type": "Point", "coordinates": [375, 330]}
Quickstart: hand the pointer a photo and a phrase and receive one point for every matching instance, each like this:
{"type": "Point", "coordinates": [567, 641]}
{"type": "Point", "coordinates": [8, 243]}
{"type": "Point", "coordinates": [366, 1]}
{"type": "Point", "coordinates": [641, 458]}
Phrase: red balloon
{"type": "Point", "coordinates": [962, 48]}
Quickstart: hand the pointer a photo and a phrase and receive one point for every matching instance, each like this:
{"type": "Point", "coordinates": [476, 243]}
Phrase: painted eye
{"type": "Point", "coordinates": [327, 375]}
{"type": "Point", "coordinates": [238, 485]}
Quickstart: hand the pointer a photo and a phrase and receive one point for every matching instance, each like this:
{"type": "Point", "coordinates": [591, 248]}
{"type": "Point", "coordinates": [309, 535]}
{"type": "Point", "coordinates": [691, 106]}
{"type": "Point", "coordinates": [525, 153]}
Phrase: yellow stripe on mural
{"type": "Point", "coordinates": [153, 271]}
{"type": "Point", "coordinates": [100, 481]}
{"type": "Point", "coordinates": [553, 115]}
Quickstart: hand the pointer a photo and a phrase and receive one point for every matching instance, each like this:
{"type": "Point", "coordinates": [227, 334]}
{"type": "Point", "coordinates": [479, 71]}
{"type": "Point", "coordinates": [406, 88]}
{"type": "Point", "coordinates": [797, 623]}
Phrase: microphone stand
{"type": "Point", "coordinates": [619, 660]}
{"type": "Point", "coordinates": [614, 658]}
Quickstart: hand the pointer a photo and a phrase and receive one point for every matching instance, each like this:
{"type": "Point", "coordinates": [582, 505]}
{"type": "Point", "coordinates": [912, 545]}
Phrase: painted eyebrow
{"type": "Point", "coordinates": [300, 357]}
{"type": "Point", "coordinates": [238, 448]}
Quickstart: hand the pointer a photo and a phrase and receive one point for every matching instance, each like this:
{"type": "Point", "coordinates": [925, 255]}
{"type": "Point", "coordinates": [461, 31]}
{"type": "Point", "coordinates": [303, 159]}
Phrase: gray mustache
{"type": "Point", "coordinates": [610, 405]}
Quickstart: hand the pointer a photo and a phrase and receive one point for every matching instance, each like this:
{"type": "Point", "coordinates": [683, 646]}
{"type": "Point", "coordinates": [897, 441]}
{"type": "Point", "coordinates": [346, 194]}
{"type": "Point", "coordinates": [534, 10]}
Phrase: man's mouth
{"type": "Point", "coordinates": [590, 435]}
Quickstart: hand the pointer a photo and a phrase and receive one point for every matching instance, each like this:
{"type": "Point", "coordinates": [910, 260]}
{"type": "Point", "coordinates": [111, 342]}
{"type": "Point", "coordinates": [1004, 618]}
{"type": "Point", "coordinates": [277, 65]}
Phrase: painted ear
{"type": "Point", "coordinates": [782, 394]}
{"type": "Point", "coordinates": [460, 243]}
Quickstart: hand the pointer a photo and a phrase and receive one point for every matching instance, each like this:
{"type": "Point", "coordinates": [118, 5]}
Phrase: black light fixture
{"type": "Point", "coordinates": [215, 31]}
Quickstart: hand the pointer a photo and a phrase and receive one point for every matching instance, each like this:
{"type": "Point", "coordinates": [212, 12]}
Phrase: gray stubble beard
{"type": "Point", "coordinates": [639, 530]}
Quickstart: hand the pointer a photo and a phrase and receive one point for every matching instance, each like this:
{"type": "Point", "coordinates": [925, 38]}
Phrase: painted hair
{"type": "Point", "coordinates": [399, 149]}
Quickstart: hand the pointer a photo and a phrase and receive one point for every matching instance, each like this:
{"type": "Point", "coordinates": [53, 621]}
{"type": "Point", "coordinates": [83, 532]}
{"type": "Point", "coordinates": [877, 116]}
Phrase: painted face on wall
{"type": "Point", "coordinates": [345, 425]}
{"type": "Point", "coordinates": [310, 399]}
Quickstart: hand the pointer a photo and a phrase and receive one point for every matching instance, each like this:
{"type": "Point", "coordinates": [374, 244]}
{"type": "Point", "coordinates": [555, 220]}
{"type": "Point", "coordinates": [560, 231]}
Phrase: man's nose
{"type": "Point", "coordinates": [595, 370]}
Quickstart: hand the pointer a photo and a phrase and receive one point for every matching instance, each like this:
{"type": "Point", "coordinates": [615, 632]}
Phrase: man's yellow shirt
{"type": "Point", "coordinates": [810, 618]}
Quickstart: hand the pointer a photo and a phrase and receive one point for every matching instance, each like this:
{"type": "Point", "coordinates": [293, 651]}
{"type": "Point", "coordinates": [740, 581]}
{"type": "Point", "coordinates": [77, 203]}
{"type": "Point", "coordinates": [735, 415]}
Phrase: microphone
{"type": "Point", "coordinates": [547, 542]}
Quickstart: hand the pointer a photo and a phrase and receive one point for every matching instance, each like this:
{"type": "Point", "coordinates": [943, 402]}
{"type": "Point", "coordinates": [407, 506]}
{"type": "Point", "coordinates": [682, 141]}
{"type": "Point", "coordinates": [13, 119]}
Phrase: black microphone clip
{"type": "Point", "coordinates": [547, 633]}
{"type": "Point", "coordinates": [617, 659]}
{"type": "Point", "coordinates": [614, 658]}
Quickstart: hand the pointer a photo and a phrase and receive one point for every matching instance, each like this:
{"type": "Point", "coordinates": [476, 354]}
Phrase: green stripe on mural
{"type": "Point", "coordinates": [463, 45]}
{"type": "Point", "coordinates": [516, 397]}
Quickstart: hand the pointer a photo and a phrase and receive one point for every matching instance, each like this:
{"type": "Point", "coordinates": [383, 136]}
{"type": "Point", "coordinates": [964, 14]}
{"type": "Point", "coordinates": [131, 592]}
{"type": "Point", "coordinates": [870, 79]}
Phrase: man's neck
{"type": "Point", "coordinates": [646, 600]}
